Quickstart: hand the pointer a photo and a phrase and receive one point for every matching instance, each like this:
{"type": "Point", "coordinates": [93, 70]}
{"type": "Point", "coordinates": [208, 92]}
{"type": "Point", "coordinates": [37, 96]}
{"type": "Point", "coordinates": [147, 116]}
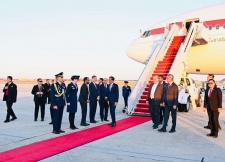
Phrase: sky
{"type": "Point", "coordinates": [41, 38]}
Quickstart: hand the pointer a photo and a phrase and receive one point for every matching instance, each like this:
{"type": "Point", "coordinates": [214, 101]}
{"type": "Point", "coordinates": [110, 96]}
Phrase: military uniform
{"type": "Point", "coordinates": [126, 93]}
{"type": "Point", "coordinates": [71, 98]}
{"type": "Point", "coordinates": [58, 99]}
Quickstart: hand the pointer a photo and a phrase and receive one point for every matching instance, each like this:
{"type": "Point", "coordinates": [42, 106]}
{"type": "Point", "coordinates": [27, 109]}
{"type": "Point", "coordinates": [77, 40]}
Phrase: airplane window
{"type": "Point", "coordinates": [217, 27]}
{"type": "Point", "coordinates": [210, 27]}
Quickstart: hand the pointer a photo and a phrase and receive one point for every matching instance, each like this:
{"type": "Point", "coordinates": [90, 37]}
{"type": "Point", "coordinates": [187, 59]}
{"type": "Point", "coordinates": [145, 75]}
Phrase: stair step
{"type": "Point", "coordinates": [145, 110]}
{"type": "Point", "coordinates": [142, 101]}
{"type": "Point", "coordinates": [161, 71]}
{"type": "Point", "coordinates": [143, 96]}
{"type": "Point", "coordinates": [145, 93]}
{"type": "Point", "coordinates": [141, 114]}
{"type": "Point", "coordinates": [142, 105]}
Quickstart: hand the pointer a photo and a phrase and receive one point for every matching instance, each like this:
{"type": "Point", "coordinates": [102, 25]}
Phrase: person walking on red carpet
{"type": "Point", "coordinates": [113, 98]}
{"type": "Point", "coordinates": [58, 103]}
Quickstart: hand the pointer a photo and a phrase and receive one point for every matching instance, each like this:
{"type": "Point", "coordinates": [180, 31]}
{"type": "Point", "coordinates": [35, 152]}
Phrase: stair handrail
{"type": "Point", "coordinates": [181, 56]}
{"type": "Point", "coordinates": [143, 79]}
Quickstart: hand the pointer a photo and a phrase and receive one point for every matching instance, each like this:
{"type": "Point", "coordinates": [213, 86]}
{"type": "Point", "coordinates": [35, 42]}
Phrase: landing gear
{"type": "Point", "coordinates": [184, 107]}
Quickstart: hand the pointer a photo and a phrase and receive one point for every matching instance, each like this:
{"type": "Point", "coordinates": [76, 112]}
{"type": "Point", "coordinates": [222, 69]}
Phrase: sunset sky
{"type": "Point", "coordinates": [40, 38]}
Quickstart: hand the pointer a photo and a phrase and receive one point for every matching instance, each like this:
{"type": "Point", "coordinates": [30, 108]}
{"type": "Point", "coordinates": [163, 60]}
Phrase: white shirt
{"type": "Point", "coordinates": [153, 90]}
{"type": "Point", "coordinates": [110, 87]}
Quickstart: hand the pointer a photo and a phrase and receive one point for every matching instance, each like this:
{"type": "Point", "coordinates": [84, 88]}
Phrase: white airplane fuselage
{"type": "Point", "coordinates": [202, 59]}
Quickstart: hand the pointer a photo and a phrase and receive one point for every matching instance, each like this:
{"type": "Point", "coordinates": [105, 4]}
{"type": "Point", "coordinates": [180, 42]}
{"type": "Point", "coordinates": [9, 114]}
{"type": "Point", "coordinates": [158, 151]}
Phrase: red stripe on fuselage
{"type": "Point", "coordinates": [157, 31]}
{"type": "Point", "coordinates": [213, 23]}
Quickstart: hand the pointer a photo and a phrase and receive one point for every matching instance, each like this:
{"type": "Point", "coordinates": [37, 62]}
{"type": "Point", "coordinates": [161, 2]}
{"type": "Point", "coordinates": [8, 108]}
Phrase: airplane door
{"type": "Point", "coordinates": [188, 23]}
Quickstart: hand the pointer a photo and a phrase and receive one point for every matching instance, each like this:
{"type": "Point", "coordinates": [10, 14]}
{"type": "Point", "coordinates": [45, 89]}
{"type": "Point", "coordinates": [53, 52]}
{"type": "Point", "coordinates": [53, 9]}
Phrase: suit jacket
{"type": "Point", "coordinates": [71, 97]}
{"type": "Point", "coordinates": [48, 88]}
{"type": "Point", "coordinates": [103, 92]}
{"type": "Point", "coordinates": [58, 101]}
{"type": "Point", "coordinates": [171, 94]}
{"type": "Point", "coordinates": [12, 93]}
{"type": "Point", "coordinates": [113, 94]}
{"type": "Point", "coordinates": [83, 97]}
{"type": "Point", "coordinates": [35, 90]}
{"type": "Point", "coordinates": [94, 92]}
{"type": "Point", "coordinates": [215, 100]}
{"type": "Point", "coordinates": [158, 95]}
{"type": "Point", "coordinates": [126, 91]}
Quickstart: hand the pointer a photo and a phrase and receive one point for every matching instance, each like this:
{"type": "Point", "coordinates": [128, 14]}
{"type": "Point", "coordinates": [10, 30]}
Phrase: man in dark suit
{"type": "Point", "coordinates": [162, 108]}
{"type": "Point", "coordinates": [113, 98]}
{"type": "Point", "coordinates": [213, 103]}
{"type": "Point", "coordinates": [209, 126]}
{"type": "Point", "coordinates": [93, 97]}
{"type": "Point", "coordinates": [51, 108]}
{"type": "Point", "coordinates": [48, 88]}
{"type": "Point", "coordinates": [126, 90]}
{"type": "Point", "coordinates": [155, 99]}
{"type": "Point", "coordinates": [103, 100]}
{"type": "Point", "coordinates": [171, 103]}
{"type": "Point", "coordinates": [10, 96]}
{"type": "Point", "coordinates": [83, 99]}
{"type": "Point", "coordinates": [58, 103]}
{"type": "Point", "coordinates": [39, 93]}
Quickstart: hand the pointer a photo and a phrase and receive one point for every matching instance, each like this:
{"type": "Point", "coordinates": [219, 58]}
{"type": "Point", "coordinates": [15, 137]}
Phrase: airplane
{"type": "Point", "coordinates": [202, 37]}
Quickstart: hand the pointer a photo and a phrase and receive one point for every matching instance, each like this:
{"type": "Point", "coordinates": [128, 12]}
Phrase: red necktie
{"type": "Point", "coordinates": [210, 93]}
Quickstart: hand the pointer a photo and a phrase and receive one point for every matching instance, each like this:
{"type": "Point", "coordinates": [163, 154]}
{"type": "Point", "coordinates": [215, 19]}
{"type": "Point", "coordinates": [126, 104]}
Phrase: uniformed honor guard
{"type": "Point", "coordinates": [58, 103]}
{"type": "Point", "coordinates": [71, 99]}
{"type": "Point", "coordinates": [126, 93]}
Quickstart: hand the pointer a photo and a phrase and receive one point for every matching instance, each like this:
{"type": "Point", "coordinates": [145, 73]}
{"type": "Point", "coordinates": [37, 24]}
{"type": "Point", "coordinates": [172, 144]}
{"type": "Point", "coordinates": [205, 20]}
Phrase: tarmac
{"type": "Point", "coordinates": [140, 143]}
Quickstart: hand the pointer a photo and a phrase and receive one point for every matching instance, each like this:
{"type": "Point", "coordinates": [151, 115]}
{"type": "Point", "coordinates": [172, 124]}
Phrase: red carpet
{"type": "Point", "coordinates": [40, 150]}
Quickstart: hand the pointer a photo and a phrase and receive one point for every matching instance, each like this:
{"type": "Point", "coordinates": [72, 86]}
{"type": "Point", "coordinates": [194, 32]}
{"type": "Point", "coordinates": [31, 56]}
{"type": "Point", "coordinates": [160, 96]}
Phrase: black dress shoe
{"type": "Point", "coordinates": [93, 121]}
{"type": "Point", "coordinates": [61, 131]}
{"type": "Point", "coordinates": [14, 118]}
{"type": "Point", "coordinates": [215, 136]}
{"type": "Point", "coordinates": [42, 119]}
{"type": "Point", "coordinates": [106, 120]}
{"type": "Point", "coordinates": [155, 127]}
{"type": "Point", "coordinates": [209, 135]}
{"type": "Point", "coordinates": [84, 124]}
{"type": "Point", "coordinates": [35, 120]}
{"type": "Point", "coordinates": [113, 125]}
{"type": "Point", "coordinates": [160, 123]}
{"type": "Point", "coordinates": [110, 124]}
{"type": "Point", "coordinates": [207, 127]}
{"type": "Point", "coordinates": [172, 131]}
{"type": "Point", "coordinates": [73, 128]}
{"type": "Point", "coordinates": [6, 121]}
{"type": "Point", "coordinates": [162, 130]}
{"type": "Point", "coordinates": [50, 123]}
{"type": "Point", "coordinates": [55, 132]}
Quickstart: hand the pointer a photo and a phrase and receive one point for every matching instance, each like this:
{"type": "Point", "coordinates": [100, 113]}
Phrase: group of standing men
{"type": "Point", "coordinates": [163, 97]}
{"type": "Point", "coordinates": [106, 94]}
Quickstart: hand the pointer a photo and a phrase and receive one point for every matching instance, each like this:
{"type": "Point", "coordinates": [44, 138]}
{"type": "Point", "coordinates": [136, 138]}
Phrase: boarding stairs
{"type": "Point", "coordinates": [169, 57]}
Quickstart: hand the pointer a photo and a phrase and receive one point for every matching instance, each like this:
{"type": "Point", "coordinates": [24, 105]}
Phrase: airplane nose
{"type": "Point", "coordinates": [139, 51]}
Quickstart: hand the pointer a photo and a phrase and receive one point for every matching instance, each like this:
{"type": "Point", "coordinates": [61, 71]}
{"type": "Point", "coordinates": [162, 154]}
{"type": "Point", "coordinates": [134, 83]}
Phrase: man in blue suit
{"type": "Point", "coordinates": [71, 99]}
{"type": "Point", "coordinates": [93, 97]}
{"type": "Point", "coordinates": [103, 100]}
{"type": "Point", "coordinates": [58, 103]}
{"type": "Point", "coordinates": [113, 98]}
{"type": "Point", "coordinates": [171, 103]}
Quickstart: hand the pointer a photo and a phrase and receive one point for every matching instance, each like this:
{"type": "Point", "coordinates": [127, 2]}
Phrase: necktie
{"type": "Point", "coordinates": [210, 93]}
